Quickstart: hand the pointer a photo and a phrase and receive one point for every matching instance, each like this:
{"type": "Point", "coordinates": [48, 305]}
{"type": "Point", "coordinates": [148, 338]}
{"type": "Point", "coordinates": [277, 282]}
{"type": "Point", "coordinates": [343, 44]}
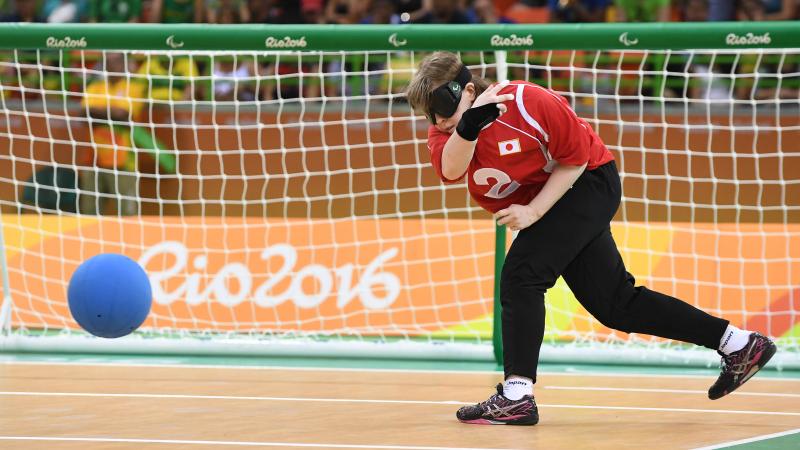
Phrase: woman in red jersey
{"type": "Point", "coordinates": [542, 170]}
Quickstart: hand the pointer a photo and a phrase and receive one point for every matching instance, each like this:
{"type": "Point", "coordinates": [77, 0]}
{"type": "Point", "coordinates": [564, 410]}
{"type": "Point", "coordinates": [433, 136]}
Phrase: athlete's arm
{"type": "Point", "coordinates": [456, 156]}
{"type": "Point", "coordinates": [560, 181]}
{"type": "Point", "coordinates": [458, 151]}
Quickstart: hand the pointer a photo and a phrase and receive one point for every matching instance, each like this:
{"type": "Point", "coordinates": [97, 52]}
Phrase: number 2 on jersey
{"type": "Point", "coordinates": [503, 186]}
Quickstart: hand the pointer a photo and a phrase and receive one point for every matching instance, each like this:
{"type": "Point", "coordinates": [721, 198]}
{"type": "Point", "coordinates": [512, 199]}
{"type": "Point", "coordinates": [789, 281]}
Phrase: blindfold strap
{"type": "Point", "coordinates": [464, 76]}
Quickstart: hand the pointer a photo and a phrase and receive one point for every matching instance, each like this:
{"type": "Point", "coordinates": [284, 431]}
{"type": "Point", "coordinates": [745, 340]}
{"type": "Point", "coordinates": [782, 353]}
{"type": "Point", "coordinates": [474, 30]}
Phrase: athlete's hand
{"type": "Point", "coordinates": [517, 217]}
{"type": "Point", "coordinates": [490, 95]}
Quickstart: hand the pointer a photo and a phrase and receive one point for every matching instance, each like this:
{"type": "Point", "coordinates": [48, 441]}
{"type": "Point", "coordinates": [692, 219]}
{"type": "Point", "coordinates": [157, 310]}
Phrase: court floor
{"type": "Point", "coordinates": [61, 403]}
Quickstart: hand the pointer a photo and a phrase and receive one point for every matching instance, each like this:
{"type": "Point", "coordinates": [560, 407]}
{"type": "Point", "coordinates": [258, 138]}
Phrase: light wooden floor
{"type": "Point", "coordinates": [89, 407]}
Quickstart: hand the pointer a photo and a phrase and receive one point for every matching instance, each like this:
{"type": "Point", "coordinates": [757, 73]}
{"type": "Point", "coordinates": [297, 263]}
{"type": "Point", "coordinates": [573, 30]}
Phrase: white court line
{"type": "Point", "coordinates": [665, 391]}
{"type": "Point", "coordinates": [354, 400]}
{"type": "Point", "coordinates": [749, 440]}
{"type": "Point", "coordinates": [366, 370]}
{"type": "Point", "coordinates": [229, 443]}
{"type": "Point", "coordinates": [228, 397]}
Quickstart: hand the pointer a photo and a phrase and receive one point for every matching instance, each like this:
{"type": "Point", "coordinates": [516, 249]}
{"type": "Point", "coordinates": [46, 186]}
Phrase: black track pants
{"type": "Point", "coordinates": [574, 240]}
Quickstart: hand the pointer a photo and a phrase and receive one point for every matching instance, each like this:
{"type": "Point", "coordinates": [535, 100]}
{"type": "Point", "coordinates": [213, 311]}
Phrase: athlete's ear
{"type": "Point", "coordinates": [470, 89]}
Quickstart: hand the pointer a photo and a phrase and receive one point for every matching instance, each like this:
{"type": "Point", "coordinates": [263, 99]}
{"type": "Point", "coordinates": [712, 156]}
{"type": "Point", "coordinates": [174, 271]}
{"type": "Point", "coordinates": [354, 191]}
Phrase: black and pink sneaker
{"type": "Point", "coordinates": [498, 410]}
{"type": "Point", "coordinates": [740, 366]}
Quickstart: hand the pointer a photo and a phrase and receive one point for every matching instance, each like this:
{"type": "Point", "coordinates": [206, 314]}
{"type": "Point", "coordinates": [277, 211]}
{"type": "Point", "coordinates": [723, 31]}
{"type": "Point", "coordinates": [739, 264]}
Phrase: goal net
{"type": "Point", "coordinates": [276, 187]}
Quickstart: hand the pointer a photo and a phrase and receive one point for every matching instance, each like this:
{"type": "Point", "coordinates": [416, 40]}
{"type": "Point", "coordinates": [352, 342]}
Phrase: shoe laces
{"type": "Point", "coordinates": [484, 405]}
{"type": "Point", "coordinates": [736, 362]}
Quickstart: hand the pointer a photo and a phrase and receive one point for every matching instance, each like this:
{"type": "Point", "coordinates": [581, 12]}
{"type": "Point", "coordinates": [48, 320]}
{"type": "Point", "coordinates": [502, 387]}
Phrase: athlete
{"type": "Point", "coordinates": [543, 171]}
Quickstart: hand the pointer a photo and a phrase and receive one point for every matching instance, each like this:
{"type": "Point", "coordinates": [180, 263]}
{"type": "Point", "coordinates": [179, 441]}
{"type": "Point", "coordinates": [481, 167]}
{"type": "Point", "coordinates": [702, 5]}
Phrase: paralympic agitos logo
{"type": "Point", "coordinates": [171, 42]}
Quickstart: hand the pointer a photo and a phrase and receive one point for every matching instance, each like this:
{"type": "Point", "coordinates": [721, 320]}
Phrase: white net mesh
{"type": "Point", "coordinates": [274, 194]}
{"type": "Point", "coordinates": [269, 194]}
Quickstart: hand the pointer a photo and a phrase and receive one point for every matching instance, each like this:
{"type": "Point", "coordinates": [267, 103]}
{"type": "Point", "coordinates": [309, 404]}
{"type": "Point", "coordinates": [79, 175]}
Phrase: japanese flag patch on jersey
{"type": "Point", "coordinates": [509, 147]}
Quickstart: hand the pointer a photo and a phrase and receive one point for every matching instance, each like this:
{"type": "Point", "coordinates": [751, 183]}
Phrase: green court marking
{"type": "Point", "coordinates": [222, 361]}
{"type": "Point", "coordinates": [788, 442]}
{"type": "Point", "coordinates": [356, 363]}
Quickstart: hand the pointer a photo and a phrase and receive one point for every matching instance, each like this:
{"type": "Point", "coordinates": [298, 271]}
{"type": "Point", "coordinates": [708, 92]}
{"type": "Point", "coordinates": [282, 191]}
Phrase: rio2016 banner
{"type": "Point", "coordinates": [186, 37]}
{"type": "Point", "coordinates": [383, 277]}
{"type": "Point", "coordinates": [251, 274]}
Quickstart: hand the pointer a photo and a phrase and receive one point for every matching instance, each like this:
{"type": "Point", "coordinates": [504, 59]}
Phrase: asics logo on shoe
{"type": "Point", "coordinates": [496, 411]}
{"type": "Point", "coordinates": [748, 362]}
{"type": "Point", "coordinates": [750, 374]}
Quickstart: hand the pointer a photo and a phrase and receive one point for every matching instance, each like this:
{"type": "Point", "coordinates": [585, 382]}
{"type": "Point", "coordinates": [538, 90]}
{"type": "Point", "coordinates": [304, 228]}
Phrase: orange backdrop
{"type": "Point", "coordinates": [383, 276]}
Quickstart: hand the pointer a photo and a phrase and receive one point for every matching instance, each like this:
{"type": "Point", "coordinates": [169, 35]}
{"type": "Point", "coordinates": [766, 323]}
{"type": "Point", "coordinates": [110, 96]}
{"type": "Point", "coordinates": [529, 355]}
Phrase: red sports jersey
{"type": "Point", "coordinates": [515, 154]}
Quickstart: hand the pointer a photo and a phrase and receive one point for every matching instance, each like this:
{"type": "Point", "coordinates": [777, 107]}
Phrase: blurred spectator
{"type": "Point", "coordinates": [287, 81]}
{"type": "Point", "coordinates": [727, 10]}
{"type": "Point", "coordinates": [760, 10]}
{"type": "Point", "coordinates": [381, 12]}
{"type": "Point", "coordinates": [706, 81]}
{"type": "Point", "coordinates": [484, 11]}
{"type": "Point", "coordinates": [719, 10]}
{"type": "Point", "coordinates": [442, 12]}
{"type": "Point", "coordinates": [275, 11]}
{"type": "Point", "coordinates": [23, 11]}
{"type": "Point", "coordinates": [259, 10]}
{"type": "Point", "coordinates": [643, 10]}
{"type": "Point", "coordinates": [754, 10]}
{"type": "Point", "coordinates": [750, 10]}
{"type": "Point", "coordinates": [758, 75]}
{"type": "Point", "coordinates": [708, 84]}
{"type": "Point", "coordinates": [312, 11]}
{"type": "Point", "coordinates": [65, 11]}
{"type": "Point", "coordinates": [529, 11]}
{"type": "Point", "coordinates": [234, 79]}
{"type": "Point", "coordinates": [409, 10]}
{"type": "Point", "coordinates": [113, 103]}
{"type": "Point", "coordinates": [782, 9]}
{"type": "Point", "coordinates": [21, 80]}
{"type": "Point", "coordinates": [227, 11]}
{"type": "Point", "coordinates": [578, 10]}
{"type": "Point", "coordinates": [6, 7]}
{"type": "Point", "coordinates": [115, 11]}
{"type": "Point", "coordinates": [283, 79]}
{"type": "Point", "coordinates": [694, 10]}
{"type": "Point", "coordinates": [8, 78]}
{"type": "Point", "coordinates": [170, 79]}
{"type": "Point", "coordinates": [339, 78]}
{"type": "Point", "coordinates": [148, 13]}
{"type": "Point", "coordinates": [177, 11]}
{"type": "Point", "coordinates": [345, 11]}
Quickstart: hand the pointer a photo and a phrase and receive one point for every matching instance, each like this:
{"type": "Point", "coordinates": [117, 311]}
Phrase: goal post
{"type": "Point", "coordinates": [276, 187]}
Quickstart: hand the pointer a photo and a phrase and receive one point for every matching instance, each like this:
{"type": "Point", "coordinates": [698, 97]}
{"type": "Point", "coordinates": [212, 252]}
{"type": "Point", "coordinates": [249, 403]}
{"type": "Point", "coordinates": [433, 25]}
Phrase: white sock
{"type": "Point", "coordinates": [733, 339]}
{"type": "Point", "coordinates": [514, 388]}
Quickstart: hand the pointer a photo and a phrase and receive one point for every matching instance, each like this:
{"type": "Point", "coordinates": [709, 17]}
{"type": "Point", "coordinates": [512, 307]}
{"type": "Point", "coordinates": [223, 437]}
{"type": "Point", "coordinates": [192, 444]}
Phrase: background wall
{"type": "Point", "coordinates": [281, 164]}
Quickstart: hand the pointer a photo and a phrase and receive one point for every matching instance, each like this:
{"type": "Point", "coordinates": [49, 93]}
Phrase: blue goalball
{"type": "Point", "coordinates": [109, 295]}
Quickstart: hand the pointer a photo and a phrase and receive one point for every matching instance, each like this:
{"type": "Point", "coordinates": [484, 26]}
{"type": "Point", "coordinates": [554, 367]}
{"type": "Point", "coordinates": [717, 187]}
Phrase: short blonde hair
{"type": "Point", "coordinates": [435, 70]}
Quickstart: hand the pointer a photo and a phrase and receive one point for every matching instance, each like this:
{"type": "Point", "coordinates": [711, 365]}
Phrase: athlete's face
{"type": "Point", "coordinates": [448, 124]}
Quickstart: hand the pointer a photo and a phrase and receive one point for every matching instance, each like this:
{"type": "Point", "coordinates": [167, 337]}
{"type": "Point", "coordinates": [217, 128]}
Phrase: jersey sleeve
{"type": "Point", "coordinates": [436, 141]}
{"type": "Point", "coordinates": [567, 137]}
